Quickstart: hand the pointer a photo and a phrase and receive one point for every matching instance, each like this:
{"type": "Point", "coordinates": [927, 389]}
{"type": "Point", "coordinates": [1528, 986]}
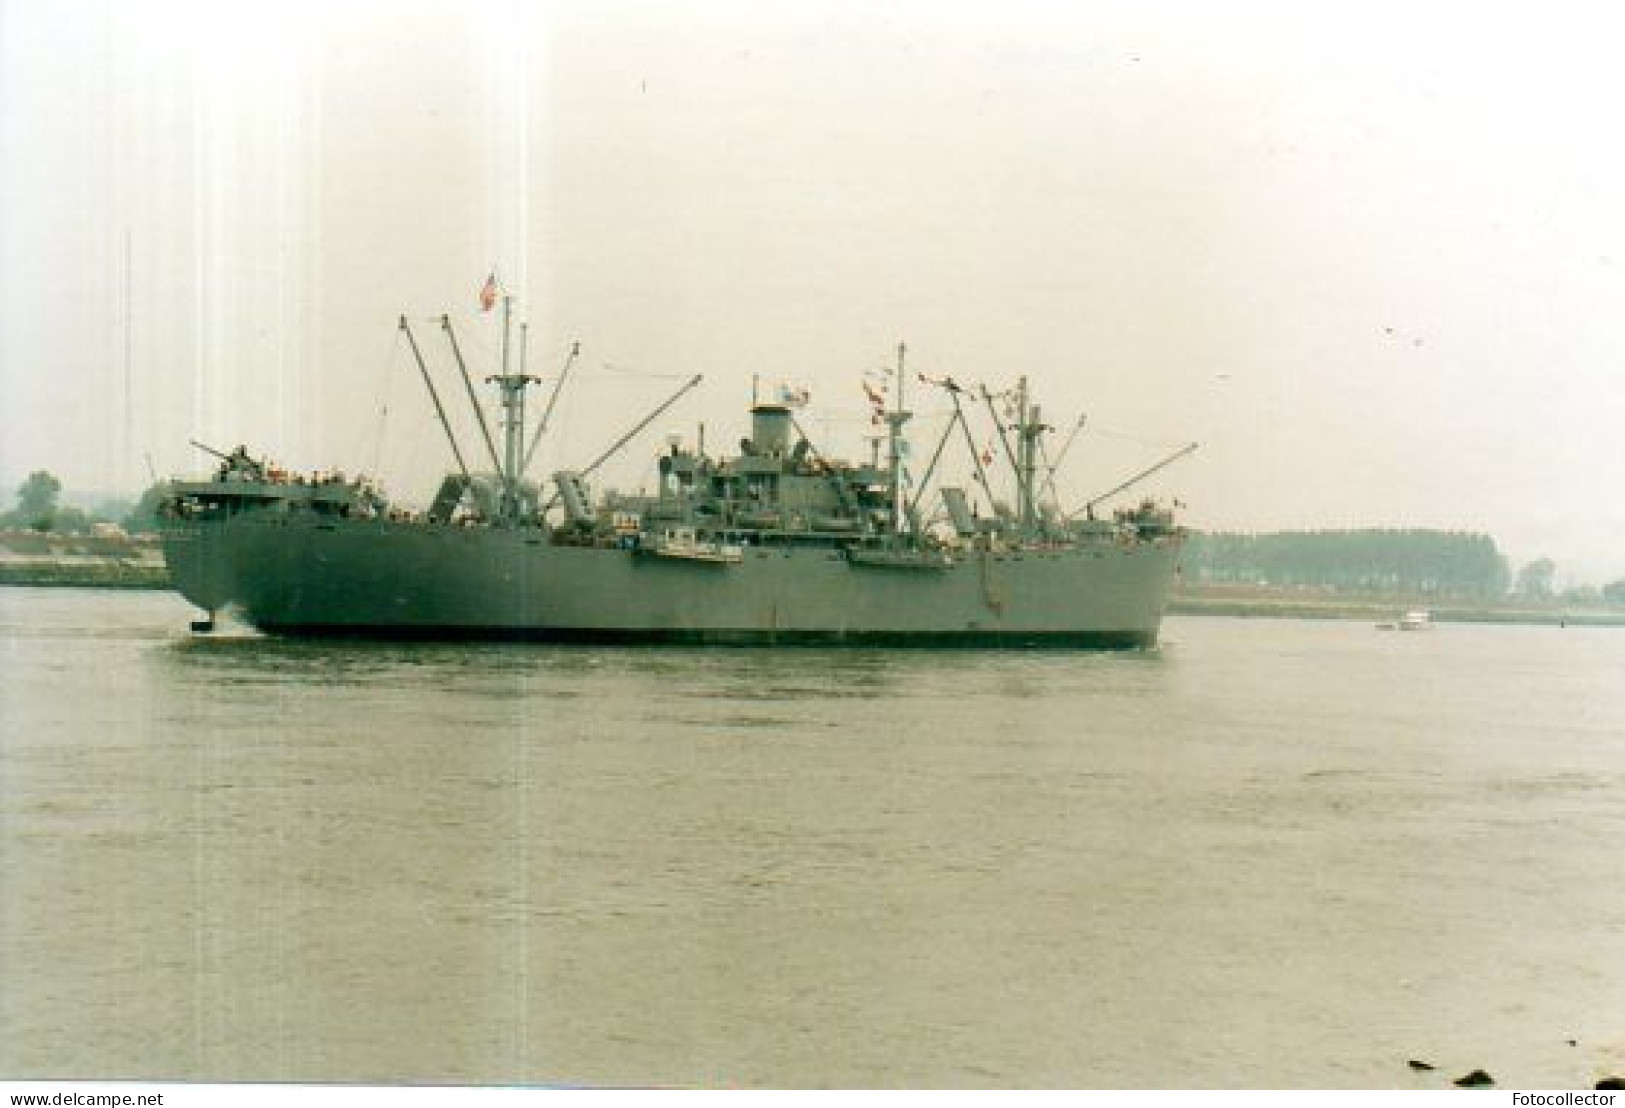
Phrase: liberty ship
{"type": "Point", "coordinates": [776, 544]}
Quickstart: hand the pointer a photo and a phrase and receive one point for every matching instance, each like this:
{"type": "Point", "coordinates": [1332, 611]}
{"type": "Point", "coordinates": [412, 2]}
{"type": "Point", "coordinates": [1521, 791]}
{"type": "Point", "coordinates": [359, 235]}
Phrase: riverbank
{"type": "Point", "coordinates": [1249, 601]}
{"type": "Point", "coordinates": [110, 561]}
{"type": "Point", "coordinates": [96, 575]}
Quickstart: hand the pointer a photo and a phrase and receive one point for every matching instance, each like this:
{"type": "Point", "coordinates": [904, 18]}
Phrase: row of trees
{"type": "Point", "coordinates": [1413, 562]}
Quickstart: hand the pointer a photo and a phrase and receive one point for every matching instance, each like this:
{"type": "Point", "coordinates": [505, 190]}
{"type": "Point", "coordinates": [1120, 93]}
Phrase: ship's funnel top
{"type": "Point", "coordinates": [770, 429]}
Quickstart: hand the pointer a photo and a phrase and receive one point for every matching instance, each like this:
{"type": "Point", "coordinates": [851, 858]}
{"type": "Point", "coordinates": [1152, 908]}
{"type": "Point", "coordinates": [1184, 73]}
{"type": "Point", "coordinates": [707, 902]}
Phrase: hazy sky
{"type": "Point", "coordinates": [1371, 256]}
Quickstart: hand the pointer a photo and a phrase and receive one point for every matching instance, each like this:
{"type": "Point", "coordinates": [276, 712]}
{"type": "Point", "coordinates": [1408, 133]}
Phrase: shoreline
{"type": "Point", "coordinates": [109, 575]}
{"type": "Point", "coordinates": [1251, 603]}
{"type": "Point", "coordinates": [97, 561]}
{"type": "Point", "coordinates": [1261, 604]}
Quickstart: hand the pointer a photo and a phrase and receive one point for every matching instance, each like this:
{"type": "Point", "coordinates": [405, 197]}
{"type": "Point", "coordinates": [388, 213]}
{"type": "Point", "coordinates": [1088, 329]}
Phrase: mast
{"type": "Point", "coordinates": [513, 404]}
{"type": "Point", "coordinates": [1028, 428]}
{"type": "Point", "coordinates": [894, 423]}
{"type": "Point", "coordinates": [515, 455]}
{"type": "Point", "coordinates": [511, 387]}
{"type": "Point", "coordinates": [507, 329]}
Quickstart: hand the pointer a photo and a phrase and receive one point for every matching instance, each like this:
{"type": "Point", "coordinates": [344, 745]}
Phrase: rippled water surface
{"type": "Point", "coordinates": [1272, 853]}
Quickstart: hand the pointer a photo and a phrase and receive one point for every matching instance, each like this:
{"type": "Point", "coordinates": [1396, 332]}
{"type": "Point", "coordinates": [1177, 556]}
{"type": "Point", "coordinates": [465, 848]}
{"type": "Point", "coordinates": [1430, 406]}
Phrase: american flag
{"type": "Point", "coordinates": [488, 293]}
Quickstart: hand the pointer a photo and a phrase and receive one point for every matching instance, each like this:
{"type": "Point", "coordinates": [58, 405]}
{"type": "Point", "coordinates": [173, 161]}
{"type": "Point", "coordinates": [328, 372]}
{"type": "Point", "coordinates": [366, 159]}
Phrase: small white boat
{"type": "Point", "coordinates": [1417, 619]}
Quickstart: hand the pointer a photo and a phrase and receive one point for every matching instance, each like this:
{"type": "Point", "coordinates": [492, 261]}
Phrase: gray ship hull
{"type": "Point", "coordinates": [297, 575]}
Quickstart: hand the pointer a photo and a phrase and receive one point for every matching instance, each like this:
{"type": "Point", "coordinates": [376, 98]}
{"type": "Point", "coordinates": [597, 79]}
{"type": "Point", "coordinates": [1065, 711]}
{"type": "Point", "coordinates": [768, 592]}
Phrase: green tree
{"type": "Point", "coordinates": [37, 501]}
{"type": "Point", "coordinates": [144, 516]}
{"type": "Point", "coordinates": [1535, 579]}
{"type": "Point", "coordinates": [1614, 592]}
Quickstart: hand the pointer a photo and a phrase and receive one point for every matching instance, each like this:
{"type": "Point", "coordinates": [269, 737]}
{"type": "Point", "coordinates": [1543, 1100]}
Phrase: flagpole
{"type": "Point", "coordinates": [507, 327]}
{"type": "Point", "coordinates": [895, 420]}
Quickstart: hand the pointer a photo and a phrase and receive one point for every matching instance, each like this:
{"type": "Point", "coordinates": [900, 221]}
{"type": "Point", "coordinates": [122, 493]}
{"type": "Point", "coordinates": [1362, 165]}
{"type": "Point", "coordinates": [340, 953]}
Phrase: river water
{"type": "Point", "coordinates": [1271, 853]}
